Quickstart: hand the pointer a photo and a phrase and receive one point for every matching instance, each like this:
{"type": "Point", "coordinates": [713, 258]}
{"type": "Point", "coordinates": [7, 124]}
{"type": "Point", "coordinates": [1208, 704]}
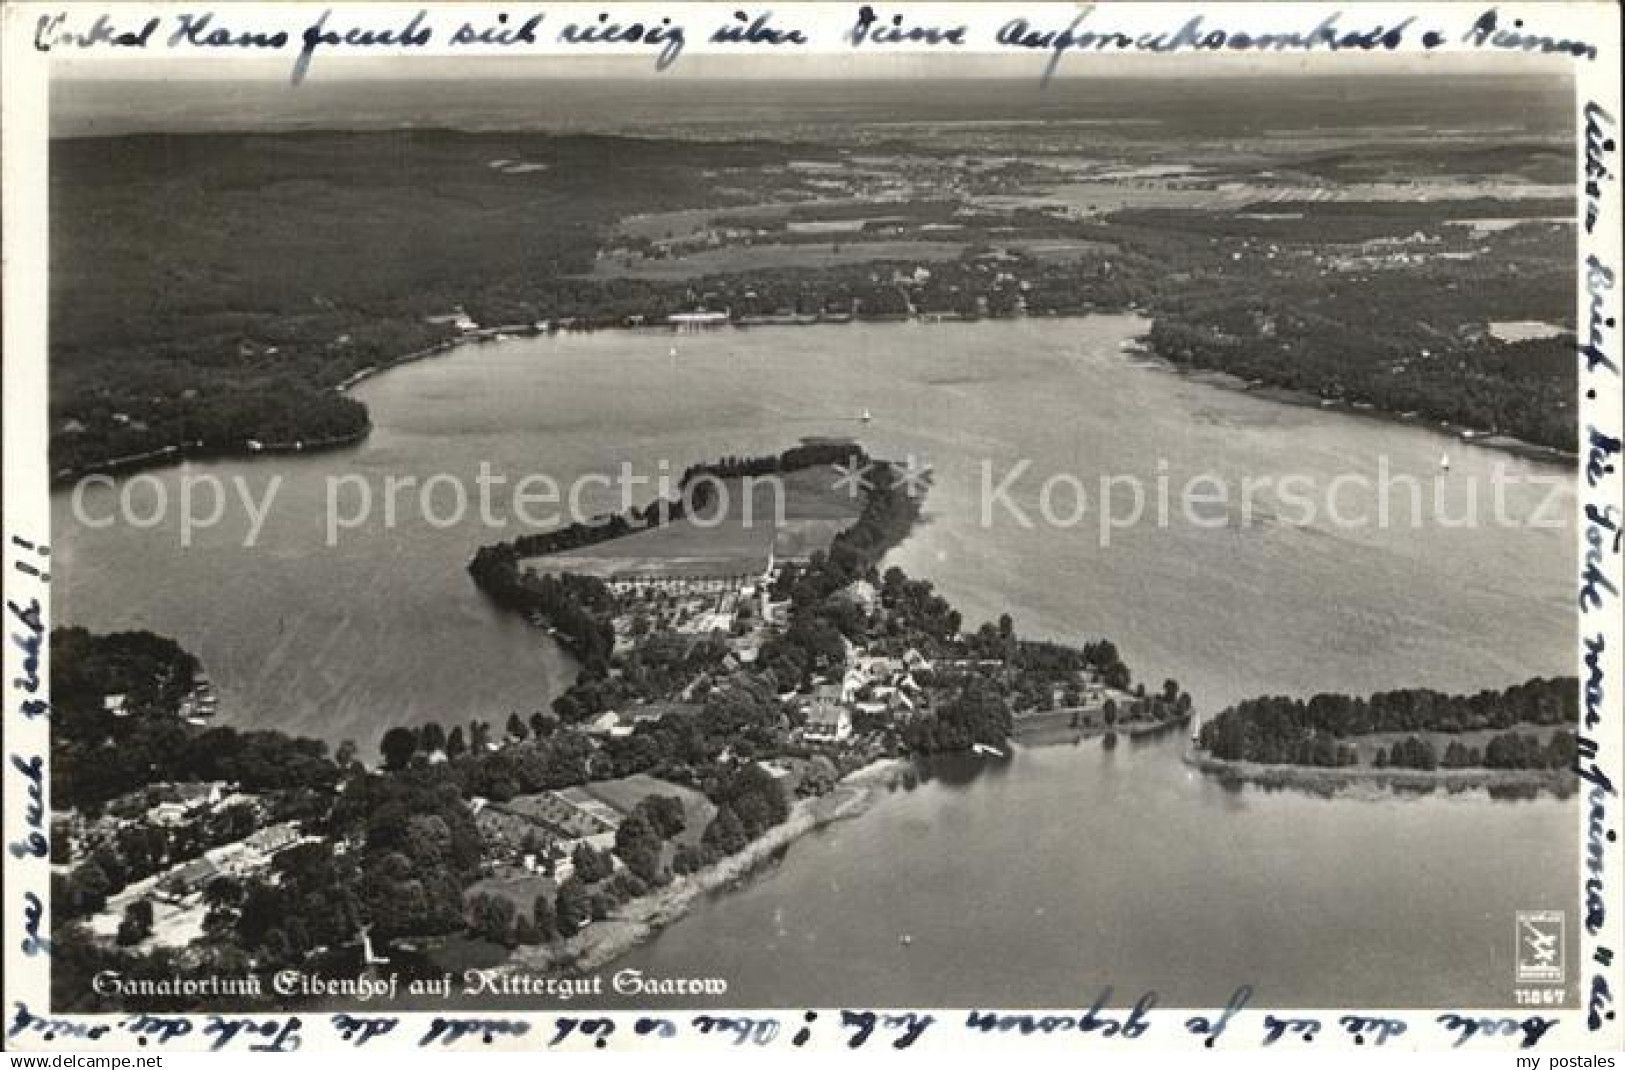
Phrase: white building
{"type": "Point", "coordinates": [828, 724]}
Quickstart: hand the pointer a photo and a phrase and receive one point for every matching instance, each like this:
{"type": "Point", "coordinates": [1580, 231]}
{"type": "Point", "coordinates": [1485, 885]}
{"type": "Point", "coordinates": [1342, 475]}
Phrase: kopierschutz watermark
{"type": "Point", "coordinates": [1018, 495]}
{"type": "Point", "coordinates": [1009, 494]}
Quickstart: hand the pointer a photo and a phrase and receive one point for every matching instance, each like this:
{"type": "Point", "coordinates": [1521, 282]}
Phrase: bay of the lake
{"type": "Point", "coordinates": [1033, 882]}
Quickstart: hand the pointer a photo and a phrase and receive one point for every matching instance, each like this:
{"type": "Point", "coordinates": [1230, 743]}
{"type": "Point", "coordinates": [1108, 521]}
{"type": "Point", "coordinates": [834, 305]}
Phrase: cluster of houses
{"type": "Point", "coordinates": [550, 823]}
{"type": "Point", "coordinates": [164, 805]}
{"type": "Point", "coordinates": [172, 806]}
{"type": "Point", "coordinates": [458, 318]}
{"type": "Point", "coordinates": [540, 832]}
{"type": "Point", "coordinates": [737, 607]}
{"type": "Point", "coordinates": [184, 803]}
{"type": "Point", "coordinates": [613, 724]}
{"type": "Point", "coordinates": [196, 706]}
{"type": "Point", "coordinates": [241, 858]}
{"type": "Point", "coordinates": [875, 684]}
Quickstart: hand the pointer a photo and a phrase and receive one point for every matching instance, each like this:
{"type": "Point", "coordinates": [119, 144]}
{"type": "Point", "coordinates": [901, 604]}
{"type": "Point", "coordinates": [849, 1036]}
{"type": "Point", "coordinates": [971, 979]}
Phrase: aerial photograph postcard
{"type": "Point", "coordinates": [569, 526]}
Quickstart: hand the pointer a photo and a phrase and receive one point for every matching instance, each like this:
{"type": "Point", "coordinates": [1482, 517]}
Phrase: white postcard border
{"type": "Point", "coordinates": [28, 1025]}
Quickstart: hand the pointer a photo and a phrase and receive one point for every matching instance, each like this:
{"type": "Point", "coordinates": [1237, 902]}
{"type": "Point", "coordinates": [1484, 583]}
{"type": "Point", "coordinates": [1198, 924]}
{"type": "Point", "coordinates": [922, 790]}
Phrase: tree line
{"type": "Point", "coordinates": [1321, 730]}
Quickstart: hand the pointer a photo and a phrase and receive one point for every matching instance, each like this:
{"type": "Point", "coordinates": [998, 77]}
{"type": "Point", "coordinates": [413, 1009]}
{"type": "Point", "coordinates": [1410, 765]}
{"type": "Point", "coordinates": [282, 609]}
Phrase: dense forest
{"type": "Point", "coordinates": [225, 301]}
{"type": "Point", "coordinates": [211, 289]}
{"type": "Point", "coordinates": [392, 848]}
{"type": "Point", "coordinates": [97, 755]}
{"type": "Point", "coordinates": [1376, 303]}
{"type": "Point", "coordinates": [1323, 730]}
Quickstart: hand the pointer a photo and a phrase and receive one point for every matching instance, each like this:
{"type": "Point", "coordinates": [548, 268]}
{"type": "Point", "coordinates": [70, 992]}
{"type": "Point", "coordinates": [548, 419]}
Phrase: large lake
{"type": "Point", "coordinates": [1066, 869]}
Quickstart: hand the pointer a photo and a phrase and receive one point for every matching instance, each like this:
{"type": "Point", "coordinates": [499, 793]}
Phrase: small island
{"type": "Point", "coordinates": [1520, 739]}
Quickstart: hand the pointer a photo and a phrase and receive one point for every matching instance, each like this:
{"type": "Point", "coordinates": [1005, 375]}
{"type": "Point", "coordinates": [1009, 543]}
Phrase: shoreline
{"type": "Point", "coordinates": [1470, 436]}
{"type": "Point", "coordinates": [1330, 778]}
{"type": "Point", "coordinates": [1050, 729]}
{"type": "Point", "coordinates": [637, 921]}
{"type": "Point", "coordinates": [179, 454]}
{"type": "Point", "coordinates": [1142, 354]}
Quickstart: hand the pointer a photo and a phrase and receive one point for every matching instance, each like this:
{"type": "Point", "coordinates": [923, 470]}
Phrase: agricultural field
{"type": "Point", "coordinates": [791, 515]}
{"type": "Point", "coordinates": [522, 891]}
{"type": "Point", "coordinates": [735, 259]}
{"type": "Point", "coordinates": [623, 794]}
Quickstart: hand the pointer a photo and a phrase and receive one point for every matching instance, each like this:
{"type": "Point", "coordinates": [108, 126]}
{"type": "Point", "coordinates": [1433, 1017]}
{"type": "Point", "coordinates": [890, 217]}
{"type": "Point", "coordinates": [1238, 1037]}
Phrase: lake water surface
{"type": "Point", "coordinates": [1065, 869]}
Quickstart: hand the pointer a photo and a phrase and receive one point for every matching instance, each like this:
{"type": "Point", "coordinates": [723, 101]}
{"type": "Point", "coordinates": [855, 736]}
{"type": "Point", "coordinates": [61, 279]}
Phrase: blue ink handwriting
{"type": "Point", "coordinates": [601, 1029]}
{"type": "Point", "coordinates": [33, 917]}
{"type": "Point", "coordinates": [1599, 282]}
{"type": "Point", "coordinates": [500, 34]}
{"type": "Point", "coordinates": [279, 1034]}
{"type": "Point", "coordinates": [34, 844]}
{"type": "Point", "coordinates": [1275, 1028]}
{"type": "Point", "coordinates": [666, 34]}
{"type": "Point", "coordinates": [1487, 31]}
{"type": "Point", "coordinates": [49, 33]}
{"type": "Point", "coordinates": [1467, 1028]}
{"type": "Point", "coordinates": [201, 31]}
{"type": "Point", "coordinates": [449, 1031]}
{"type": "Point", "coordinates": [663, 1028]}
{"type": "Point", "coordinates": [1091, 1021]}
{"type": "Point", "coordinates": [910, 1026]}
{"type": "Point", "coordinates": [755, 31]}
{"type": "Point", "coordinates": [757, 1031]}
{"type": "Point", "coordinates": [415, 34]}
{"type": "Point", "coordinates": [1213, 1029]}
{"type": "Point", "coordinates": [26, 567]}
{"type": "Point", "coordinates": [358, 1031]}
{"type": "Point", "coordinates": [162, 1028]}
{"type": "Point", "coordinates": [1599, 144]}
{"type": "Point", "coordinates": [29, 641]}
{"type": "Point", "coordinates": [871, 28]}
{"type": "Point", "coordinates": [49, 1029]}
{"type": "Point", "coordinates": [1360, 1026]}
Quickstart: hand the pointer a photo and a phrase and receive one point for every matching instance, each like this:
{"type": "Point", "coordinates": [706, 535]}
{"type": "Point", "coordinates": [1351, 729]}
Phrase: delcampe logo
{"type": "Point", "coordinates": [1540, 946]}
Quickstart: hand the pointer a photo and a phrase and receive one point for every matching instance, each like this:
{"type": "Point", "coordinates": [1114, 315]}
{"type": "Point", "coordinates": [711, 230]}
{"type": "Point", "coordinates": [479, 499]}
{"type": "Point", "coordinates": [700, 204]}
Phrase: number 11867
{"type": "Point", "coordinates": [1539, 997]}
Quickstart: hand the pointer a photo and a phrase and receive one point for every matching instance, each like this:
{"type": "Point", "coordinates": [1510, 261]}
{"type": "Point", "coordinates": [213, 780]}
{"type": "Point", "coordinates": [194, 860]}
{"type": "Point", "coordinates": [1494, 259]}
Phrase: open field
{"type": "Point", "coordinates": [823, 214]}
{"type": "Point", "coordinates": [742, 258]}
{"type": "Point", "coordinates": [175, 924]}
{"type": "Point", "coordinates": [1367, 745]}
{"type": "Point", "coordinates": [625, 793]}
{"type": "Point", "coordinates": [521, 891]}
{"type": "Point", "coordinates": [1098, 198]}
{"type": "Point", "coordinates": [1059, 248]}
{"type": "Point", "coordinates": [792, 514]}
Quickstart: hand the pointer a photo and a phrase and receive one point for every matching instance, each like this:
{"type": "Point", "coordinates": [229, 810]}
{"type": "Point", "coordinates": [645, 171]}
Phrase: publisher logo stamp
{"type": "Point", "coordinates": [1540, 946]}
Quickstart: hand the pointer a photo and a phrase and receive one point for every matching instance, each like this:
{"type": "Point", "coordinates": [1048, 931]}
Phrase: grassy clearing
{"type": "Point", "coordinates": [521, 891]}
{"type": "Point", "coordinates": [793, 514]}
{"type": "Point", "coordinates": [625, 793]}
{"type": "Point", "coordinates": [1367, 745]}
{"type": "Point", "coordinates": [746, 258]}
